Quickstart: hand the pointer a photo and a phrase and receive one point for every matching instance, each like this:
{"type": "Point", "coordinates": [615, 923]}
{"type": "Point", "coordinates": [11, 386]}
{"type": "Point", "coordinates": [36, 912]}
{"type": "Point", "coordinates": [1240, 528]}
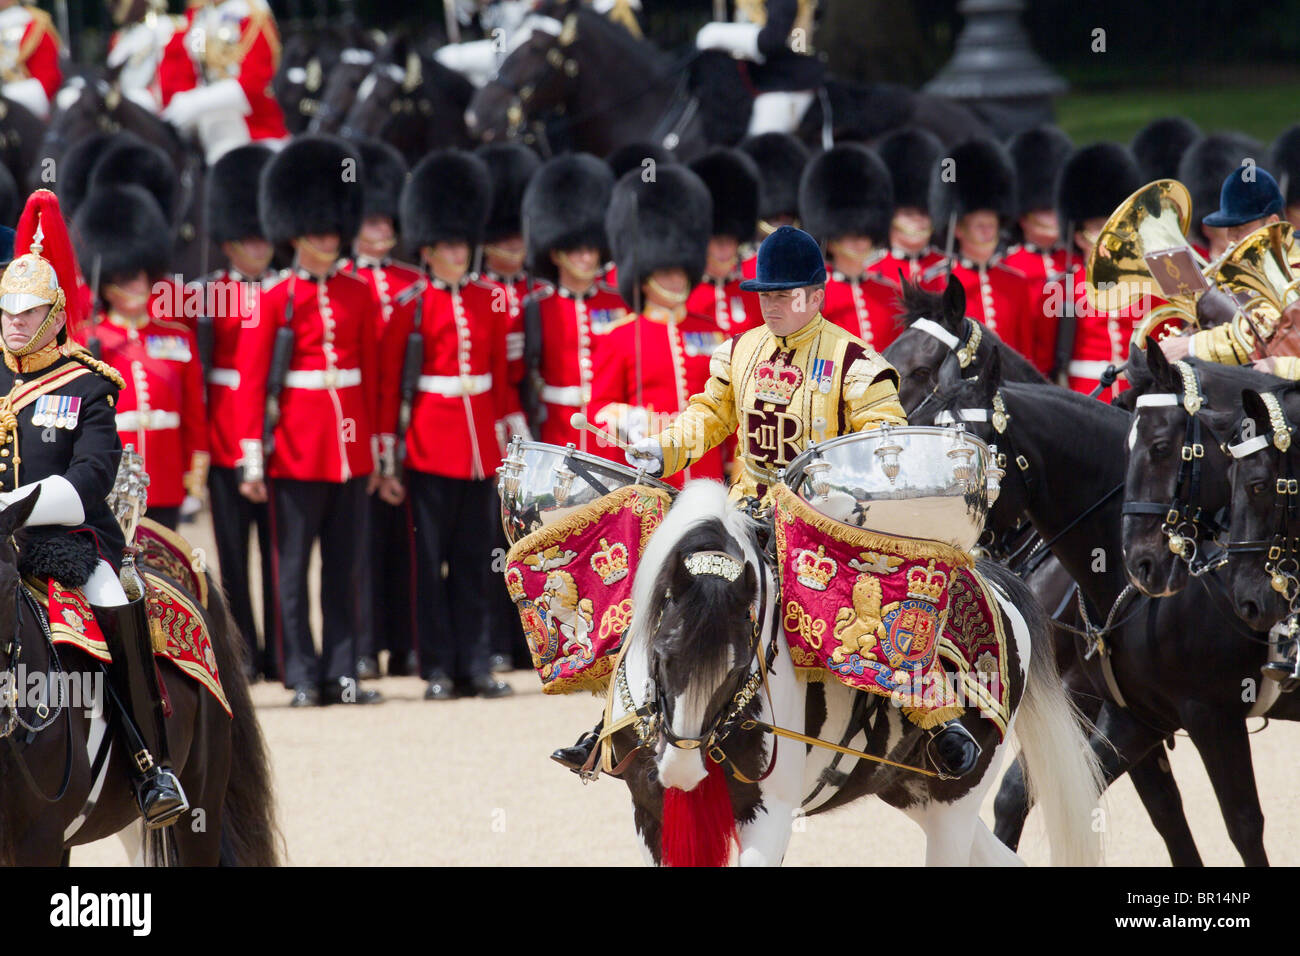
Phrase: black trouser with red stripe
{"type": "Point", "coordinates": [452, 521]}
{"type": "Point", "coordinates": [233, 517]}
{"type": "Point", "coordinates": [338, 514]}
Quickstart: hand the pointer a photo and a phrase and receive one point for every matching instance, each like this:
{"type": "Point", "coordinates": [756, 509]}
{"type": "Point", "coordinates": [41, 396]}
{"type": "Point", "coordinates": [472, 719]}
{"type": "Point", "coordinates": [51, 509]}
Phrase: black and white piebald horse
{"type": "Point", "coordinates": [706, 653]}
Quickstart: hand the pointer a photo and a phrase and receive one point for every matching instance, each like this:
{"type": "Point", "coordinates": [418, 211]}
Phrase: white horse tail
{"type": "Point", "coordinates": [1061, 770]}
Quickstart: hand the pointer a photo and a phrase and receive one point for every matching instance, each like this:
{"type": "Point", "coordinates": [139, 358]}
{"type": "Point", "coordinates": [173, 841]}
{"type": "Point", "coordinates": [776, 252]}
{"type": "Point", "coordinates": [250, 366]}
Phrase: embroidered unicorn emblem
{"type": "Point", "coordinates": [568, 611]}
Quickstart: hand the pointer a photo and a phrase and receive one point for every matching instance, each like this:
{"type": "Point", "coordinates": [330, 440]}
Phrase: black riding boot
{"type": "Point", "coordinates": [953, 750]}
{"type": "Point", "coordinates": [135, 680]}
{"type": "Point", "coordinates": [575, 757]}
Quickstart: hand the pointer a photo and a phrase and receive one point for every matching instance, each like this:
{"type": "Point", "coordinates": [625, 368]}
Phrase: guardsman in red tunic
{"type": "Point", "coordinates": [780, 159]}
{"type": "Point", "coordinates": [1092, 184]}
{"type": "Point", "coordinates": [511, 166]}
{"type": "Point", "coordinates": [29, 56]}
{"type": "Point", "coordinates": [972, 196]}
{"type": "Point", "coordinates": [216, 71]}
{"type": "Point", "coordinates": [666, 225]}
{"type": "Point", "coordinates": [1286, 164]}
{"type": "Point", "coordinates": [564, 223]}
{"type": "Point", "coordinates": [397, 286]}
{"type": "Point", "coordinates": [732, 180]}
{"type": "Point", "coordinates": [909, 154]}
{"type": "Point", "coordinates": [1040, 254]}
{"type": "Point", "coordinates": [308, 386]}
{"type": "Point", "coordinates": [123, 241]}
{"type": "Point", "coordinates": [445, 409]}
{"type": "Point", "coordinates": [845, 201]}
{"type": "Point", "coordinates": [230, 295]}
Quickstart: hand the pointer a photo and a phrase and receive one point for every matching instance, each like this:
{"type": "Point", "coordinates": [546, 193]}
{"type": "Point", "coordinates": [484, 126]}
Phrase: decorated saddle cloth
{"type": "Point", "coordinates": [572, 583]}
{"type": "Point", "coordinates": [885, 614]}
{"type": "Point", "coordinates": [175, 621]}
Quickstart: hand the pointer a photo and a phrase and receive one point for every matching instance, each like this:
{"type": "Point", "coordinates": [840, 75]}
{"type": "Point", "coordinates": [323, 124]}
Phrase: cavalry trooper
{"type": "Point", "coordinates": [397, 287]}
{"type": "Point", "coordinates": [61, 438]}
{"type": "Point", "coordinates": [229, 298]}
{"type": "Point", "coordinates": [732, 179]}
{"type": "Point", "coordinates": [1093, 182]}
{"type": "Point", "coordinates": [909, 154]}
{"type": "Point", "coordinates": [123, 241]}
{"type": "Point", "coordinates": [972, 197]}
{"type": "Point", "coordinates": [775, 38]}
{"type": "Point", "coordinates": [845, 201]}
{"type": "Point", "coordinates": [29, 56]}
{"type": "Point", "coordinates": [215, 75]}
{"type": "Point", "coordinates": [136, 48]}
{"type": "Point", "coordinates": [831, 383]}
{"type": "Point", "coordinates": [449, 449]}
{"type": "Point", "coordinates": [511, 167]}
{"type": "Point", "coordinates": [564, 227]}
{"type": "Point", "coordinates": [1040, 254]}
{"type": "Point", "coordinates": [780, 159]}
{"type": "Point", "coordinates": [305, 413]}
{"type": "Point", "coordinates": [648, 368]}
{"type": "Point", "coordinates": [1246, 203]}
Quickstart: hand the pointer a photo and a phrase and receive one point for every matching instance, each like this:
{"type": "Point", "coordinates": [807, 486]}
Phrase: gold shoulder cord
{"type": "Point", "coordinates": [82, 354]}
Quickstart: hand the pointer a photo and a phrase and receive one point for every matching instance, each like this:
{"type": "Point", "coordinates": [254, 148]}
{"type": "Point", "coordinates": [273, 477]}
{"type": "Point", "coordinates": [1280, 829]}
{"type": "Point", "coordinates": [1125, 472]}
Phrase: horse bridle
{"type": "Point", "coordinates": [961, 350]}
{"type": "Point", "coordinates": [1185, 524]}
{"type": "Point", "coordinates": [1281, 549]}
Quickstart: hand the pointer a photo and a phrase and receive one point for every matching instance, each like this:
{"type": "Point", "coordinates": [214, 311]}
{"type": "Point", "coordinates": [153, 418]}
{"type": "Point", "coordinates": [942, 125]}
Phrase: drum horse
{"type": "Point", "coordinates": [718, 638]}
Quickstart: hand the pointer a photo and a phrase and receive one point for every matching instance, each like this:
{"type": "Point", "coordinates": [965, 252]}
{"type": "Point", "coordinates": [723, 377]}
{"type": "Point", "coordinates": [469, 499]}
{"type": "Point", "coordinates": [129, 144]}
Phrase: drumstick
{"type": "Point", "coordinates": [579, 421]}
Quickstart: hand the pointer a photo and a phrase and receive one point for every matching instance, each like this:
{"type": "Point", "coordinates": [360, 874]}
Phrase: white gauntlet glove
{"type": "Point", "coordinates": [646, 454]}
{"type": "Point", "coordinates": [738, 39]}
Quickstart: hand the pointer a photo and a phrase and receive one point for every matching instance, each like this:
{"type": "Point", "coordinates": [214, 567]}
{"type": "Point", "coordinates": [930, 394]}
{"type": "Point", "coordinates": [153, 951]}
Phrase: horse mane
{"type": "Point", "coordinates": [917, 302]}
{"type": "Point", "coordinates": [633, 53]}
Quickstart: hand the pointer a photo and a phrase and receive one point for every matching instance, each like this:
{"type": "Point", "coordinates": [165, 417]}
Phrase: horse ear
{"type": "Point", "coordinates": [1253, 407]}
{"type": "Point", "coordinates": [16, 514]}
{"type": "Point", "coordinates": [954, 304]}
{"type": "Point", "coordinates": [1161, 371]}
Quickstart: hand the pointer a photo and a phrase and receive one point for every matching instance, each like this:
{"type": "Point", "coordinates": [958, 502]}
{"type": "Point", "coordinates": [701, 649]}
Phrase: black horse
{"type": "Point", "coordinates": [54, 792]}
{"type": "Point", "coordinates": [309, 57]}
{"type": "Point", "coordinates": [1158, 664]}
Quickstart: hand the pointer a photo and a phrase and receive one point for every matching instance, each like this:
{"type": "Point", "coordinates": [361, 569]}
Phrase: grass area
{"type": "Point", "coordinates": [1261, 110]}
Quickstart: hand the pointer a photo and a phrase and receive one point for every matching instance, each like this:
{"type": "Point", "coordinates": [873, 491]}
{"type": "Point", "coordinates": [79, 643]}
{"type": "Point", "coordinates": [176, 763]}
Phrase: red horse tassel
{"type": "Point", "coordinates": [699, 826]}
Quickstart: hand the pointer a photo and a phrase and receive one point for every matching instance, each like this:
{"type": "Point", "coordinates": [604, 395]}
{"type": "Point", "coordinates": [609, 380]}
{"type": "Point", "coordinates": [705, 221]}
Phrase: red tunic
{"type": "Point", "coordinates": [675, 356]}
{"type": "Point", "coordinates": [230, 299]}
{"type": "Point", "coordinates": [996, 294]}
{"type": "Point", "coordinates": [1100, 338]}
{"type": "Point", "coordinates": [463, 389]}
{"type": "Point", "coordinates": [160, 411]}
{"type": "Point", "coordinates": [222, 30]}
{"type": "Point", "coordinates": [721, 300]}
{"type": "Point", "coordinates": [865, 307]}
{"type": "Point", "coordinates": [34, 52]}
{"type": "Point", "coordinates": [570, 328]}
{"type": "Point", "coordinates": [913, 267]}
{"type": "Point", "coordinates": [514, 291]}
{"type": "Point", "coordinates": [329, 404]}
{"type": "Point", "coordinates": [1039, 267]}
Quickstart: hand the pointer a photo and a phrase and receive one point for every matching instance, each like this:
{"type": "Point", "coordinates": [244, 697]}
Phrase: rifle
{"type": "Point", "coordinates": [412, 365]}
{"type": "Point", "coordinates": [281, 355]}
{"type": "Point", "coordinates": [530, 387]}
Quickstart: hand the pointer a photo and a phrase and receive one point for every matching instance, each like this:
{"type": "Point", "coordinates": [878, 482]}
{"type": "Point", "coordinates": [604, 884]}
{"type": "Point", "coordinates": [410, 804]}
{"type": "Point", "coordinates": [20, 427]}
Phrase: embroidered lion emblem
{"type": "Point", "coordinates": [860, 627]}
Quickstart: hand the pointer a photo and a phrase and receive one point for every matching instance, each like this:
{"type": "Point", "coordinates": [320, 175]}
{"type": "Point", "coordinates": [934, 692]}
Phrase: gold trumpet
{"type": "Point", "coordinates": [1257, 271]}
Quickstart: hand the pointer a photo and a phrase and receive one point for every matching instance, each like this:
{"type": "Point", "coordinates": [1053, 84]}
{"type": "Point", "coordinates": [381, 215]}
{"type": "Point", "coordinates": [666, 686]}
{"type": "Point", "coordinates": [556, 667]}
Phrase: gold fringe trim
{"type": "Point", "coordinates": [594, 679]}
{"type": "Point", "coordinates": [583, 518]}
{"type": "Point", "coordinates": [913, 549]}
{"type": "Point", "coordinates": [929, 719]}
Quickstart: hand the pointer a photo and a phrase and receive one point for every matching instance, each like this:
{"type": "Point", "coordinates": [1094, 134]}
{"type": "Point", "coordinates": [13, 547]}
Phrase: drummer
{"type": "Point", "coordinates": [795, 379]}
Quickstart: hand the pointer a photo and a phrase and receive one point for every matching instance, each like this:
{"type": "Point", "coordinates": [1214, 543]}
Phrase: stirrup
{"type": "Point", "coordinates": [162, 783]}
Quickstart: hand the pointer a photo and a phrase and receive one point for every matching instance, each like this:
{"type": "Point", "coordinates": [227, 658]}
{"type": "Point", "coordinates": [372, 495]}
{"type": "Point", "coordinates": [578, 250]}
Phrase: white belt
{"type": "Point", "coordinates": [1079, 368]}
{"type": "Point", "coordinates": [570, 395]}
{"type": "Point", "coordinates": [147, 421]}
{"type": "Point", "coordinates": [324, 378]}
{"type": "Point", "coordinates": [229, 377]}
{"type": "Point", "coordinates": [454, 386]}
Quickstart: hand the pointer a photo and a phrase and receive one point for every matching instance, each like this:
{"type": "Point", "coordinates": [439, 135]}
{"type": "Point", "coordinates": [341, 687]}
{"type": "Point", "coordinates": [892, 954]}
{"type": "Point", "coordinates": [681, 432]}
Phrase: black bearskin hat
{"type": "Point", "coordinates": [982, 177]}
{"type": "Point", "coordinates": [447, 199]}
{"type": "Point", "coordinates": [564, 208]}
{"type": "Point", "coordinates": [732, 179]}
{"type": "Point", "coordinates": [511, 166]}
{"type": "Point", "coordinates": [232, 193]}
{"type": "Point", "coordinates": [1160, 144]}
{"type": "Point", "coordinates": [623, 159]}
{"type": "Point", "coordinates": [1284, 164]}
{"type": "Point", "coordinates": [11, 203]}
{"type": "Point", "coordinates": [1038, 154]}
{"type": "Point", "coordinates": [306, 189]}
{"type": "Point", "coordinates": [383, 177]}
{"type": "Point", "coordinates": [780, 159]}
{"type": "Point", "coordinates": [1204, 167]}
{"type": "Point", "coordinates": [130, 162]}
{"type": "Point", "coordinates": [910, 154]}
{"type": "Point", "coordinates": [1093, 182]}
{"type": "Point", "coordinates": [75, 165]}
{"type": "Point", "coordinates": [846, 191]}
{"type": "Point", "coordinates": [121, 230]}
{"type": "Point", "coordinates": [662, 224]}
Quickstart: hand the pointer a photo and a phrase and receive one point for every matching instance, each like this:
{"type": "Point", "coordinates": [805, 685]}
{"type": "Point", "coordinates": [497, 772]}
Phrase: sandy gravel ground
{"type": "Point", "coordinates": [469, 782]}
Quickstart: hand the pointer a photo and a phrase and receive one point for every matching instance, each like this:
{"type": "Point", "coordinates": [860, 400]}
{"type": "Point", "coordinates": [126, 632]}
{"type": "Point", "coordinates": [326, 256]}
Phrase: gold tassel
{"type": "Point", "coordinates": [622, 14]}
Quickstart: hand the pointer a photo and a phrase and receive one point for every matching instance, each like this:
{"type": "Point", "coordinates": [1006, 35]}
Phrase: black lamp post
{"type": "Point", "coordinates": [995, 71]}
